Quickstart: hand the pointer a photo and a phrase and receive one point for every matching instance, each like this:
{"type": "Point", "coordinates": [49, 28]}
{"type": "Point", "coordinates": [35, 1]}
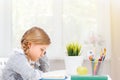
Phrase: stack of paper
{"type": "Point", "coordinates": [54, 76]}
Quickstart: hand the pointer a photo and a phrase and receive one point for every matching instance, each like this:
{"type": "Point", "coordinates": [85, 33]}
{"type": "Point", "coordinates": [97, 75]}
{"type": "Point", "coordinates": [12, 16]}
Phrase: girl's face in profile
{"type": "Point", "coordinates": [37, 51]}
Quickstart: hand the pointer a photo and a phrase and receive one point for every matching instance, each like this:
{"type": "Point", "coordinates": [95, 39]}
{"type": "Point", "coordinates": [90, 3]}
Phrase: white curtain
{"type": "Point", "coordinates": [63, 20]}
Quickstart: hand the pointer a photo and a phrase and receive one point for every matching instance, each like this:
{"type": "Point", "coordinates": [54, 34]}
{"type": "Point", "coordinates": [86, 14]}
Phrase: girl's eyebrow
{"type": "Point", "coordinates": [43, 48]}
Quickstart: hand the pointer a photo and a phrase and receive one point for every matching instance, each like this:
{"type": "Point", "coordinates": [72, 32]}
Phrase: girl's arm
{"type": "Point", "coordinates": [20, 65]}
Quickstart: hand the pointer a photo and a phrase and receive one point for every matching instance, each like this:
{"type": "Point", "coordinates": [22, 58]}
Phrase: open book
{"type": "Point", "coordinates": [54, 75]}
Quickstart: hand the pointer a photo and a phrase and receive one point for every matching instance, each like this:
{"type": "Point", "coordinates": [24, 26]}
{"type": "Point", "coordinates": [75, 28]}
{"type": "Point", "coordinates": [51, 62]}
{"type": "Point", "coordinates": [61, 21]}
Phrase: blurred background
{"type": "Point", "coordinates": [64, 21]}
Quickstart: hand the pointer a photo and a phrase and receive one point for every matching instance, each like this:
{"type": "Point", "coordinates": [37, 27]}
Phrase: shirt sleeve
{"type": "Point", "coordinates": [19, 64]}
{"type": "Point", "coordinates": [44, 64]}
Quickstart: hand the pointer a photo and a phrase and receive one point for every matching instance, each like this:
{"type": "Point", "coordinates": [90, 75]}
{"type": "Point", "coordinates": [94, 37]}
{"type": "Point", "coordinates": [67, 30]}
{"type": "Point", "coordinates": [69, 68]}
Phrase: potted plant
{"type": "Point", "coordinates": [73, 58]}
{"type": "Point", "coordinates": [73, 49]}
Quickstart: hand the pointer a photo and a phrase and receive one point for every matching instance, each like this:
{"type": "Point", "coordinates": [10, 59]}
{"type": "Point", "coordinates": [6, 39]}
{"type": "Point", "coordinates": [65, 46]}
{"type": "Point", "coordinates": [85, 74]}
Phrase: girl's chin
{"type": "Point", "coordinates": [34, 60]}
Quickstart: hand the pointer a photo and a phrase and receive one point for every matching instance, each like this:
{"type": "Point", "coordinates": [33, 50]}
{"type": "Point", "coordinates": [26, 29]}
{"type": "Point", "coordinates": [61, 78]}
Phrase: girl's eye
{"type": "Point", "coordinates": [42, 49]}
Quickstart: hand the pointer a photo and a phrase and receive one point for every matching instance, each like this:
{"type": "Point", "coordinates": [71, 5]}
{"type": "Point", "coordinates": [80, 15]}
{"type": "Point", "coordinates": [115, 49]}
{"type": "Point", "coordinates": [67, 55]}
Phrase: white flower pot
{"type": "Point", "coordinates": [71, 64]}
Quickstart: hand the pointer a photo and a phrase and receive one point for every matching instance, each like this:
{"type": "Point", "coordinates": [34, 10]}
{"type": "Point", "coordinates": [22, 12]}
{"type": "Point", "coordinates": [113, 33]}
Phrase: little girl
{"type": "Point", "coordinates": [29, 62]}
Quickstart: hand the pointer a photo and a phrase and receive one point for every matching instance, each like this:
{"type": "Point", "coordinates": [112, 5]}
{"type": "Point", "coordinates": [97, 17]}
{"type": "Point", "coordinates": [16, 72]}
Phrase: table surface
{"type": "Point", "coordinates": [61, 73]}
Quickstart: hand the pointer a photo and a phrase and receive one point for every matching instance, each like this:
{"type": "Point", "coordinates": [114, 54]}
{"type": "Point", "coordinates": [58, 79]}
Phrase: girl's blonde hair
{"type": "Point", "coordinates": [34, 35]}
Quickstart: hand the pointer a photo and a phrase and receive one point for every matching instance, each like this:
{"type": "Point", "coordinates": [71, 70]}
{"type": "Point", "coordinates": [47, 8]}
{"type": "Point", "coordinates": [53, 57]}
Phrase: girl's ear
{"type": "Point", "coordinates": [29, 44]}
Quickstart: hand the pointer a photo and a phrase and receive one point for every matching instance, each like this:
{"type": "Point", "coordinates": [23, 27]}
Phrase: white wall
{"type": "Point", "coordinates": [115, 22]}
{"type": "Point", "coordinates": [5, 27]}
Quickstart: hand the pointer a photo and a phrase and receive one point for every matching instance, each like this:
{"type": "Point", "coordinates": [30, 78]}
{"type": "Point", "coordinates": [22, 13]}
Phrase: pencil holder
{"type": "Point", "coordinates": [97, 67]}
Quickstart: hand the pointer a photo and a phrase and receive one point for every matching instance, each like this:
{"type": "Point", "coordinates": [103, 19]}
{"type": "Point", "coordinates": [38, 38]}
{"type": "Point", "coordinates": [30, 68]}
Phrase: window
{"type": "Point", "coordinates": [88, 22]}
{"type": "Point", "coordinates": [64, 21]}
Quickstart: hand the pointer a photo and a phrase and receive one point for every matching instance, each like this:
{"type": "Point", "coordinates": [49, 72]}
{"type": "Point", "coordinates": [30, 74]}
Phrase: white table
{"type": "Point", "coordinates": [61, 73]}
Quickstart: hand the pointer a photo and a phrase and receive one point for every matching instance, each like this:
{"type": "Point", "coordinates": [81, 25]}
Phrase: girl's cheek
{"type": "Point", "coordinates": [42, 54]}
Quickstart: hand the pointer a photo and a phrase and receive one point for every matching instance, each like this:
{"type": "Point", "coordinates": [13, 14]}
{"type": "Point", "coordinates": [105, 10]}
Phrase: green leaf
{"type": "Point", "coordinates": [73, 49]}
